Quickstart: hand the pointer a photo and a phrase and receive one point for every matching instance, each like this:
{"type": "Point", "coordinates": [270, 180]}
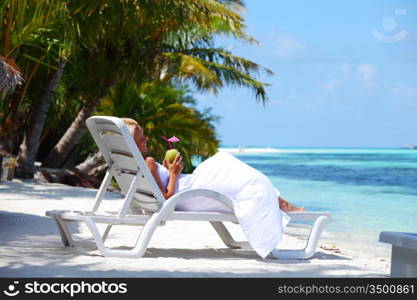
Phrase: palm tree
{"type": "Point", "coordinates": [23, 21]}
{"type": "Point", "coordinates": [190, 54]}
{"type": "Point", "coordinates": [59, 38]}
{"type": "Point", "coordinates": [65, 34]}
{"type": "Point", "coordinates": [25, 162]}
{"type": "Point", "coordinates": [20, 20]}
{"type": "Point", "coordinates": [147, 45]}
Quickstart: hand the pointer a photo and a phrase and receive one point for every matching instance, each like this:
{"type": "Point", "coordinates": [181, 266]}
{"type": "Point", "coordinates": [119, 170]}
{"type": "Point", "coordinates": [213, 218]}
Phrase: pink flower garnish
{"type": "Point", "coordinates": [172, 139]}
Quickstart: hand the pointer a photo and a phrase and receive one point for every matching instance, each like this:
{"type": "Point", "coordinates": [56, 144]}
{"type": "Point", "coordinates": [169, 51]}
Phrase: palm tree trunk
{"type": "Point", "coordinates": [91, 162]}
{"type": "Point", "coordinates": [56, 158]}
{"type": "Point", "coordinates": [25, 164]}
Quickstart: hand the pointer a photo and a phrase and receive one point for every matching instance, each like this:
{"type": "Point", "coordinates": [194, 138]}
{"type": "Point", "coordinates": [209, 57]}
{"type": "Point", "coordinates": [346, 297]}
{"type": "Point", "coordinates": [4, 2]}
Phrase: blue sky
{"type": "Point", "coordinates": [344, 76]}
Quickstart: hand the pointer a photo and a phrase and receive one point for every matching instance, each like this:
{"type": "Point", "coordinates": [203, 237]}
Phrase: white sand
{"type": "Point", "coordinates": [31, 247]}
{"type": "Point", "coordinates": [242, 150]}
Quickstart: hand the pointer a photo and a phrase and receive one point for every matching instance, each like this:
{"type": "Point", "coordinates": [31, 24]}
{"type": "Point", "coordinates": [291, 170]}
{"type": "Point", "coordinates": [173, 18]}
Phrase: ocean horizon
{"type": "Point", "coordinates": [367, 190]}
{"type": "Point", "coordinates": [311, 147]}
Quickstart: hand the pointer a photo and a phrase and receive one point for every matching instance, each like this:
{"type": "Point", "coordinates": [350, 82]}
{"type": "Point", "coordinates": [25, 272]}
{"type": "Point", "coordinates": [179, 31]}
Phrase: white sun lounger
{"type": "Point", "coordinates": [144, 205]}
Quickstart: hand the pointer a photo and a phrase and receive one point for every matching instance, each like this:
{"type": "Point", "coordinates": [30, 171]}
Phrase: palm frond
{"type": "Point", "coordinates": [211, 69]}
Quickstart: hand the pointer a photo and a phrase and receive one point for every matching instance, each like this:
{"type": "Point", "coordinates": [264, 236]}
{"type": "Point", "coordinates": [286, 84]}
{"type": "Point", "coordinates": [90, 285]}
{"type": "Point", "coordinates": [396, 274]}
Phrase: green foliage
{"type": "Point", "coordinates": [164, 110]}
{"type": "Point", "coordinates": [31, 27]}
{"type": "Point", "coordinates": [23, 19]}
{"type": "Point", "coordinates": [135, 55]}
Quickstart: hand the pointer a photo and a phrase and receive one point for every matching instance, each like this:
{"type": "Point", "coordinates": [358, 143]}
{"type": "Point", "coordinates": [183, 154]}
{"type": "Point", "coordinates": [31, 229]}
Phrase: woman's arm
{"type": "Point", "coordinates": [174, 171]}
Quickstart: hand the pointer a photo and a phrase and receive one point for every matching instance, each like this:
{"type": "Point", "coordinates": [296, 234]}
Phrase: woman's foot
{"type": "Point", "coordinates": [288, 207]}
{"type": "Point", "coordinates": [298, 209]}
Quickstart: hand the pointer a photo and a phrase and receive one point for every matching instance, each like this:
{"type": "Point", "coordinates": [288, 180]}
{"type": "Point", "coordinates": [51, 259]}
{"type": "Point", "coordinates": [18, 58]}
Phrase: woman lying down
{"type": "Point", "coordinates": [256, 203]}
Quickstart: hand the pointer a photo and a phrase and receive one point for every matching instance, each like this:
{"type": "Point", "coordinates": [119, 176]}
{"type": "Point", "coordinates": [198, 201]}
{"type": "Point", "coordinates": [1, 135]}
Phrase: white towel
{"type": "Point", "coordinates": [255, 200]}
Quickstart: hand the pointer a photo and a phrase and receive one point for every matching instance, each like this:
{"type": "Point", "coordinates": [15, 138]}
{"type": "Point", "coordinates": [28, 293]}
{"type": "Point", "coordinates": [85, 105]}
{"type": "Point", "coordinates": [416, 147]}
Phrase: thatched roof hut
{"type": "Point", "coordinates": [10, 77]}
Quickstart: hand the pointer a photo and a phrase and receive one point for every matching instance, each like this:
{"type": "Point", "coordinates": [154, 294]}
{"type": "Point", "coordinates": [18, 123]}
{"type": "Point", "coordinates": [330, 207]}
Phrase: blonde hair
{"type": "Point", "coordinates": [131, 125]}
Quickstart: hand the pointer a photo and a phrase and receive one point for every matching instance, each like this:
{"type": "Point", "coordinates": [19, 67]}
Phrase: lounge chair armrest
{"type": "Point", "coordinates": [174, 200]}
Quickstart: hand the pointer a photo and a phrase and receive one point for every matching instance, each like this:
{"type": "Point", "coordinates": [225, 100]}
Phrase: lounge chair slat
{"type": "Point", "coordinates": [115, 143]}
{"type": "Point", "coordinates": [126, 179]}
{"type": "Point", "coordinates": [108, 128]}
{"type": "Point", "coordinates": [124, 162]}
{"type": "Point", "coordinates": [144, 198]}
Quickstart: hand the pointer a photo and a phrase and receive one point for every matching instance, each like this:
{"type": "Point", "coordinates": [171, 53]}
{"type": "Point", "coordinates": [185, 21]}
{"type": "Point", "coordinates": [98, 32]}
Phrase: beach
{"type": "Point", "coordinates": [318, 112]}
{"type": "Point", "coordinates": [30, 245]}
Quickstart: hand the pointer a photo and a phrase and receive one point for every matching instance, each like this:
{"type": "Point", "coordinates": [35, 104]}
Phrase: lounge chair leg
{"type": "Point", "coordinates": [227, 237]}
{"type": "Point", "coordinates": [64, 232]}
{"type": "Point", "coordinates": [106, 232]}
{"type": "Point", "coordinates": [98, 238]}
{"type": "Point", "coordinates": [141, 244]}
{"type": "Point", "coordinates": [311, 246]}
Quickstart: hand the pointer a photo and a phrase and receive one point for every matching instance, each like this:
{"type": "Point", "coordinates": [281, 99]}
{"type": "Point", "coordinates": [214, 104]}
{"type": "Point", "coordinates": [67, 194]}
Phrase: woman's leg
{"type": "Point", "coordinates": [288, 207]}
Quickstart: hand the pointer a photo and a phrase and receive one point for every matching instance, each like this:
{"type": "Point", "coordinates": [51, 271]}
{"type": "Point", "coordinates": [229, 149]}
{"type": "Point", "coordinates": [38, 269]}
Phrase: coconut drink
{"type": "Point", "coordinates": [172, 152]}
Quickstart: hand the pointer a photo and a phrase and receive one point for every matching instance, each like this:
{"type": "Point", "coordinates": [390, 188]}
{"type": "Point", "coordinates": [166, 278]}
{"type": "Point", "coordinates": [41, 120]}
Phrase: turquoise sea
{"type": "Point", "coordinates": [366, 190]}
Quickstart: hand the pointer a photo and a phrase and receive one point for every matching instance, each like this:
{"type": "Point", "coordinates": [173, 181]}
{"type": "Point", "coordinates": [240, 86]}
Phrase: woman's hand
{"type": "Point", "coordinates": [176, 167]}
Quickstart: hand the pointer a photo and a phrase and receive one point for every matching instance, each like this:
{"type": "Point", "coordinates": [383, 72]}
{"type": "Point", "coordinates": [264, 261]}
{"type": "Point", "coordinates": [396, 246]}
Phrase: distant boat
{"type": "Point", "coordinates": [409, 147]}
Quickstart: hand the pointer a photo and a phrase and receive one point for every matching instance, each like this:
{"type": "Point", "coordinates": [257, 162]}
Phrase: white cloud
{"type": "Point", "coordinates": [287, 46]}
{"type": "Point", "coordinates": [351, 74]}
{"type": "Point", "coordinates": [367, 73]}
{"type": "Point", "coordinates": [345, 73]}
